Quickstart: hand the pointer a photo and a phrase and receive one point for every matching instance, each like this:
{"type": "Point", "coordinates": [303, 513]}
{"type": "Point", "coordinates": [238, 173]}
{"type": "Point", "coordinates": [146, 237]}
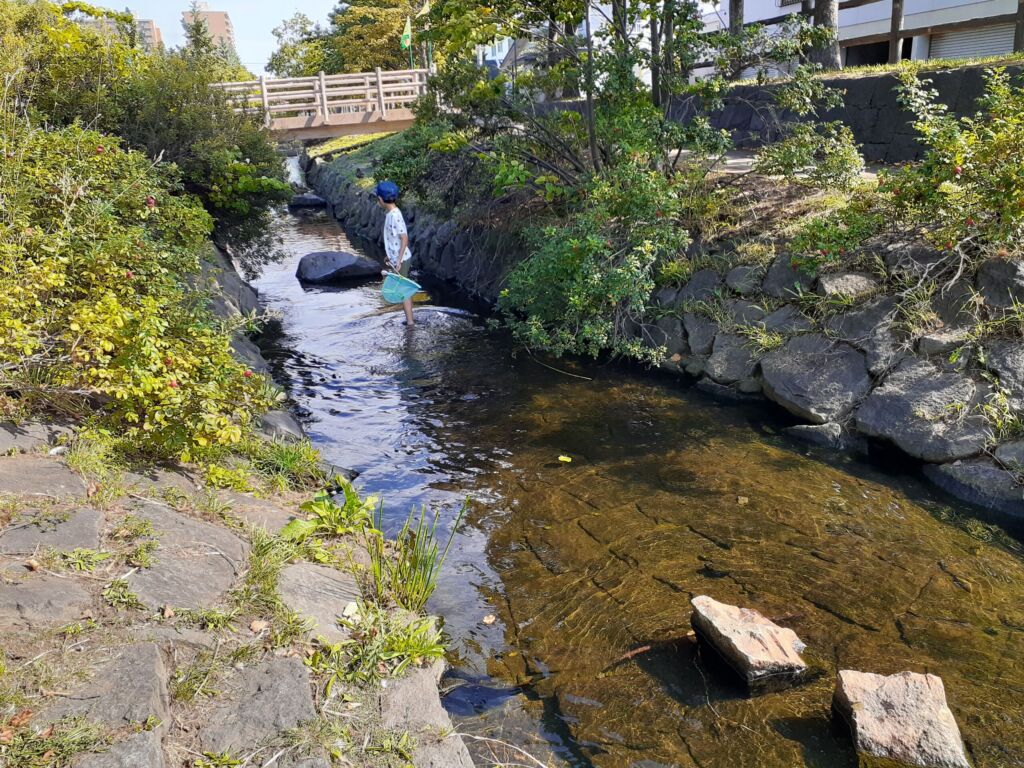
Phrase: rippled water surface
{"type": "Point", "coordinates": [589, 565]}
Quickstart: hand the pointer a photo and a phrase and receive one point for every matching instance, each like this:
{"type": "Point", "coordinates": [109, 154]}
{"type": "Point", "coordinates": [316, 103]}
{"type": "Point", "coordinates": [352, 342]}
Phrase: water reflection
{"type": "Point", "coordinates": [589, 565]}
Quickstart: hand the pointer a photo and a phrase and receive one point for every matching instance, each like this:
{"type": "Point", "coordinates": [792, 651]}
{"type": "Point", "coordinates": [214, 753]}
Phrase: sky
{"type": "Point", "coordinates": [253, 21]}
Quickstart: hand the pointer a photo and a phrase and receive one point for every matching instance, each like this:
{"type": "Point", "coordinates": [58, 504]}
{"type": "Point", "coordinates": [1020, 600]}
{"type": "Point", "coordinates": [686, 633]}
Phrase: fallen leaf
{"type": "Point", "coordinates": [20, 719]}
{"type": "Point", "coordinates": [566, 459]}
{"type": "Point", "coordinates": [167, 612]}
{"type": "Point", "coordinates": [351, 609]}
{"type": "Point", "coordinates": [48, 754]}
{"type": "Point", "coordinates": [489, 619]}
{"type": "Point", "coordinates": [676, 357]}
{"type": "Point", "coordinates": [46, 733]}
{"type": "Point", "coordinates": [742, 501]}
{"type": "Point", "coordinates": [91, 490]}
{"type": "Point", "coordinates": [33, 565]}
{"type": "Point", "coordinates": [259, 625]}
{"type": "Point", "coordinates": [6, 735]}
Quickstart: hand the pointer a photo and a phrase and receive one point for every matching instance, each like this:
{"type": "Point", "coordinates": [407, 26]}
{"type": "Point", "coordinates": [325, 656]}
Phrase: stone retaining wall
{"type": "Point", "coordinates": [850, 376]}
{"type": "Point", "coordinates": [870, 108]}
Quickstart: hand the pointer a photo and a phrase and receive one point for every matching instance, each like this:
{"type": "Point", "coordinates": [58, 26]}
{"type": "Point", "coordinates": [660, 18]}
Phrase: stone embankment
{"type": "Point", "coordinates": [902, 717]}
{"type": "Point", "coordinates": [123, 616]}
{"type": "Point", "coordinates": [839, 352]}
{"type": "Point", "coordinates": [155, 652]}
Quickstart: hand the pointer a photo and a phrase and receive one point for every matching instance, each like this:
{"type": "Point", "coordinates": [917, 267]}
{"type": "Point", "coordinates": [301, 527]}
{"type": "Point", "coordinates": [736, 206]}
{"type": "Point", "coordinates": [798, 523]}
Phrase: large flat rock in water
{"type": "Point", "coordinates": [924, 410]}
{"type": "Point", "coordinates": [41, 600]}
{"type": "Point", "coordinates": [126, 689]}
{"type": "Point", "coordinates": [38, 476]}
{"type": "Point", "coordinates": [195, 563]}
{"type": "Point", "coordinates": [764, 654]}
{"type": "Point", "coordinates": [902, 717]}
{"type": "Point", "coordinates": [60, 531]}
{"type": "Point", "coordinates": [335, 266]}
{"type": "Point", "coordinates": [319, 594]}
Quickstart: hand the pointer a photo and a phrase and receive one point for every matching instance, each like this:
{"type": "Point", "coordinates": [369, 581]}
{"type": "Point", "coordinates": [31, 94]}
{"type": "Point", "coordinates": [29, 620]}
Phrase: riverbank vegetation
{"type": "Point", "coordinates": [103, 232]}
{"type": "Point", "coordinates": [618, 185]}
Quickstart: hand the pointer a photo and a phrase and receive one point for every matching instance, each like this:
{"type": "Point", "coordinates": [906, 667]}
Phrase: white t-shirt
{"type": "Point", "coordinates": [394, 228]}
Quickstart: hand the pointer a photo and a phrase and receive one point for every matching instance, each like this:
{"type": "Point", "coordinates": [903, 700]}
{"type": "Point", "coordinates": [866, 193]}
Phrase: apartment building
{"type": "Point", "coordinates": [931, 29]}
{"type": "Point", "coordinates": [149, 34]}
{"type": "Point", "coordinates": [218, 24]}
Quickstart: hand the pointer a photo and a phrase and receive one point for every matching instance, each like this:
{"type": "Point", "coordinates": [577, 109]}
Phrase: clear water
{"type": "Point", "coordinates": [669, 494]}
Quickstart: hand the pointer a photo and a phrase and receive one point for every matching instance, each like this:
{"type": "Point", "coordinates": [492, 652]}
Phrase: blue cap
{"type": "Point", "coordinates": [387, 191]}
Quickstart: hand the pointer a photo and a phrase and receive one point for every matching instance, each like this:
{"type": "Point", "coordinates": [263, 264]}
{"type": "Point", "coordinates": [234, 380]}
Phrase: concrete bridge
{"type": "Point", "coordinates": [326, 106]}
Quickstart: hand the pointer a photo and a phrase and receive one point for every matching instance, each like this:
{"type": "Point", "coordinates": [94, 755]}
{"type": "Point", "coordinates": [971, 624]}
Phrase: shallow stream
{"type": "Point", "coordinates": [669, 494]}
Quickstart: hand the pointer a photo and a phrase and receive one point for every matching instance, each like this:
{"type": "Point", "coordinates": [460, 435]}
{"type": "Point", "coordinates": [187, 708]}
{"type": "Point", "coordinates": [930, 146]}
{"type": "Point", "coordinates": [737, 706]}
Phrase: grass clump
{"type": "Point", "coordinates": [345, 144]}
{"type": "Point", "coordinates": [381, 644]}
{"type": "Point", "coordinates": [288, 465]}
{"type": "Point", "coordinates": [409, 574]}
{"type": "Point", "coordinates": [52, 747]}
{"type": "Point", "coordinates": [217, 760]}
{"type": "Point", "coordinates": [81, 560]}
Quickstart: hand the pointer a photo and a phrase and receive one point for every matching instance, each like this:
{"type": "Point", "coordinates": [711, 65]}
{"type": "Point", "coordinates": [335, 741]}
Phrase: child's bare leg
{"type": "Point", "coordinates": [407, 304]}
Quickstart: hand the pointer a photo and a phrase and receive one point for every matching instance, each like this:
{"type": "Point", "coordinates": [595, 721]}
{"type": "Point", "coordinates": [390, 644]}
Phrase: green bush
{"type": "Point", "coordinates": [61, 72]}
{"type": "Point", "coordinates": [96, 247]}
{"type": "Point", "coordinates": [969, 189]}
{"type": "Point", "coordinates": [590, 276]}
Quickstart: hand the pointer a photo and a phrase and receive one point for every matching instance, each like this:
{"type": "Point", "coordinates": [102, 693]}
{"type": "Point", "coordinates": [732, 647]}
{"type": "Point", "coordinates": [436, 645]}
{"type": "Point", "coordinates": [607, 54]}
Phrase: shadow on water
{"type": "Point", "coordinates": [669, 494]}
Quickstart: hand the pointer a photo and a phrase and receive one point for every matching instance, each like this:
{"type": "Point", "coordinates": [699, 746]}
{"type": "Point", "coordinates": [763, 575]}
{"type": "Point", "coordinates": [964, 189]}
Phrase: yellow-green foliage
{"type": "Point", "coordinates": [96, 244]}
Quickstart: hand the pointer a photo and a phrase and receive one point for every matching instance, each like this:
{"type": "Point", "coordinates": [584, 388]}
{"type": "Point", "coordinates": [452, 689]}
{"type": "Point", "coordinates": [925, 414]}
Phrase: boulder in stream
{"type": "Point", "coordinates": [306, 200]}
{"type": "Point", "coordinates": [764, 654]}
{"type": "Point", "coordinates": [902, 717]}
{"type": "Point", "coordinates": [335, 267]}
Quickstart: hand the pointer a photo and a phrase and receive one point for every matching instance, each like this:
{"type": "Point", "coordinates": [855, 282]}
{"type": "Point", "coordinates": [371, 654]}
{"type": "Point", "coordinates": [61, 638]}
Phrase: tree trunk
{"type": "Point", "coordinates": [895, 27]}
{"type": "Point", "coordinates": [618, 20]}
{"type": "Point", "coordinates": [595, 156]}
{"type": "Point", "coordinates": [826, 14]}
{"type": "Point", "coordinates": [1018, 32]}
{"type": "Point", "coordinates": [735, 16]}
{"type": "Point", "coordinates": [655, 61]}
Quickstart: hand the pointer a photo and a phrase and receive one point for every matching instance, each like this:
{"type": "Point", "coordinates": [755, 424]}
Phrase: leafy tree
{"type": "Point", "coordinates": [302, 48]}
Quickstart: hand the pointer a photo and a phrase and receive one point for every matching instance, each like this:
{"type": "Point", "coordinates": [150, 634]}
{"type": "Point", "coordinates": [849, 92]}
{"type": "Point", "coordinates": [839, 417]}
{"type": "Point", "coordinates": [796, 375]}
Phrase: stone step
{"type": "Point", "coordinates": [765, 655]}
{"type": "Point", "coordinates": [320, 595]}
{"type": "Point", "coordinates": [902, 717]}
{"type": "Point", "coordinates": [62, 531]}
{"type": "Point", "coordinates": [196, 563]}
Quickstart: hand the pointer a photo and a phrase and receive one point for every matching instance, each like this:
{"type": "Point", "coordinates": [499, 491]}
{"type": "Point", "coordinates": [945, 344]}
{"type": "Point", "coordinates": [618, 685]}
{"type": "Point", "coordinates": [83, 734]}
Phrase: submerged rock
{"type": "Point", "coordinates": [925, 411]}
{"type": "Point", "coordinates": [902, 717]}
{"type": "Point", "coordinates": [335, 266]}
{"type": "Point", "coordinates": [306, 200]}
{"type": "Point", "coordinates": [816, 379]}
{"type": "Point", "coordinates": [765, 655]}
{"type": "Point", "coordinates": [982, 482]}
{"type": "Point", "coordinates": [830, 435]}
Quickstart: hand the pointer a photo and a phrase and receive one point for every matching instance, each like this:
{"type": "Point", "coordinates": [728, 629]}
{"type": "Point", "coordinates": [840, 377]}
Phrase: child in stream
{"type": "Point", "coordinates": [396, 237]}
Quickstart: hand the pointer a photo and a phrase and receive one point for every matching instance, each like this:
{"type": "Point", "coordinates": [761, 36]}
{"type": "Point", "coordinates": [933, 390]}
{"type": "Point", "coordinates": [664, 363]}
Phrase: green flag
{"type": "Point", "coordinates": [406, 40]}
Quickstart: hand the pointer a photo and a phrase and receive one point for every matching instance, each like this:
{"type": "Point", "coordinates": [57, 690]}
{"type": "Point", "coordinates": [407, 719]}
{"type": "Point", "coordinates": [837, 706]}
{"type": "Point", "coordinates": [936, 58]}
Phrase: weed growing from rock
{"type": "Point", "coordinates": [119, 594]}
{"type": "Point", "coordinates": [381, 644]}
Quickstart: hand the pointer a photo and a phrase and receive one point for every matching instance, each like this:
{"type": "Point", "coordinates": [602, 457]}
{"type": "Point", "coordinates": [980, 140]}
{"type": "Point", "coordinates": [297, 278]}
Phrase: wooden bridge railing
{"type": "Point", "coordinates": [331, 105]}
